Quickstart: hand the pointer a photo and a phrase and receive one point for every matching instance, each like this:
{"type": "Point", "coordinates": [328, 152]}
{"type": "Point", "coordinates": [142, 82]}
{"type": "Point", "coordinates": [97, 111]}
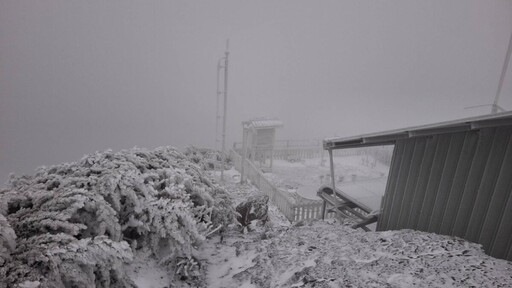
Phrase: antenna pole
{"type": "Point", "coordinates": [502, 78]}
{"type": "Point", "coordinates": [217, 118]}
{"type": "Point", "coordinates": [225, 110]}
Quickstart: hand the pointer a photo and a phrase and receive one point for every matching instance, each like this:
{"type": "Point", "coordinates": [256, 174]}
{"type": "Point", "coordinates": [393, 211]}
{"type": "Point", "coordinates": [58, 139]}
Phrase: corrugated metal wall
{"type": "Point", "coordinates": [454, 184]}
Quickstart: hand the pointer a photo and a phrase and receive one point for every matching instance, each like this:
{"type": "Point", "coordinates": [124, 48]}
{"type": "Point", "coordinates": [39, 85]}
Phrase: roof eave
{"type": "Point", "coordinates": [390, 137]}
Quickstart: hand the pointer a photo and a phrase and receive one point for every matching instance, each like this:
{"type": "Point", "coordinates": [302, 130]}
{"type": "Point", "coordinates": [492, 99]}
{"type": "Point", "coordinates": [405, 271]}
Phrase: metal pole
{"type": "Point", "coordinates": [332, 182]}
{"type": "Point", "coordinates": [225, 110]}
{"type": "Point", "coordinates": [331, 162]}
{"type": "Point", "coordinates": [217, 118]}
{"type": "Point", "coordinates": [332, 172]}
{"type": "Point", "coordinates": [324, 205]}
{"type": "Point", "coordinates": [502, 77]}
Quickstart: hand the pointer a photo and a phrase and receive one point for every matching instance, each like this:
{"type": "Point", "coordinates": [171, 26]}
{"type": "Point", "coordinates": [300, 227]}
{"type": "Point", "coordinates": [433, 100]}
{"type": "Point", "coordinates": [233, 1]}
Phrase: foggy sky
{"type": "Point", "coordinates": [82, 76]}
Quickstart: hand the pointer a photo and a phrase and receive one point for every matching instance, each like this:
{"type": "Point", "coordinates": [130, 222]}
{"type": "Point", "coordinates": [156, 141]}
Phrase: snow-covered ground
{"type": "Point", "coordinates": [330, 254]}
{"type": "Point", "coordinates": [327, 254]}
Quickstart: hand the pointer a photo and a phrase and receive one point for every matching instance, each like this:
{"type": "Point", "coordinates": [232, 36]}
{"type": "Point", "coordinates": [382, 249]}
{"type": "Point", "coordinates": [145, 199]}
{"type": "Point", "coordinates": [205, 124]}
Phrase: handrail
{"type": "Point", "coordinates": [347, 206]}
{"type": "Point", "coordinates": [294, 207]}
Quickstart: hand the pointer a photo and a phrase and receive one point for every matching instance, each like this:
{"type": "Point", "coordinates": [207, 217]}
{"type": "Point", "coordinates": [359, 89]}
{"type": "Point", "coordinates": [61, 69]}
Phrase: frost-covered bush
{"type": "Point", "coordinates": [7, 243]}
{"type": "Point", "coordinates": [79, 223]}
{"type": "Point", "coordinates": [208, 159]}
{"type": "Point", "coordinates": [61, 260]}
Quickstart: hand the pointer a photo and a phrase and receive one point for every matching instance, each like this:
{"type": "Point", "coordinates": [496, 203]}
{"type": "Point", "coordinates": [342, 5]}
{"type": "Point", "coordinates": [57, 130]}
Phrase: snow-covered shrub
{"type": "Point", "coordinates": [61, 260]}
{"type": "Point", "coordinates": [7, 244]}
{"type": "Point", "coordinates": [78, 223]}
{"type": "Point", "coordinates": [208, 159]}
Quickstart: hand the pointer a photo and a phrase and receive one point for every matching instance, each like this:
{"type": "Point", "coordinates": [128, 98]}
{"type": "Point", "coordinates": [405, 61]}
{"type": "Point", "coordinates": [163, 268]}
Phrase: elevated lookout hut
{"type": "Point", "coordinates": [451, 178]}
{"type": "Point", "coordinates": [259, 139]}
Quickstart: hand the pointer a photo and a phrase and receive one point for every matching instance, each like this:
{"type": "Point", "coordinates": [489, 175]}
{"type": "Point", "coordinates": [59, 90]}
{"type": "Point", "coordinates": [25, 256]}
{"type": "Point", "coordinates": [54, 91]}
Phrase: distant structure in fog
{"type": "Point", "coordinates": [259, 138]}
{"type": "Point", "coordinates": [452, 178]}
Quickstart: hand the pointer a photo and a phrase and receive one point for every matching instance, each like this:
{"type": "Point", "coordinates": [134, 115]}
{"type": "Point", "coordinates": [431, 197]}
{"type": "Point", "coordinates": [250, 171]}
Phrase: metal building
{"type": "Point", "coordinates": [452, 178]}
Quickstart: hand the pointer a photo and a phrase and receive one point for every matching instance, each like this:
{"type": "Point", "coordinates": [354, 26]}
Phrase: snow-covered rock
{"type": "Point", "coordinates": [254, 208]}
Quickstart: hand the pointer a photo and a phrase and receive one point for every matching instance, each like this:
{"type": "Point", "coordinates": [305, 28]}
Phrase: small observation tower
{"type": "Point", "coordinates": [259, 138]}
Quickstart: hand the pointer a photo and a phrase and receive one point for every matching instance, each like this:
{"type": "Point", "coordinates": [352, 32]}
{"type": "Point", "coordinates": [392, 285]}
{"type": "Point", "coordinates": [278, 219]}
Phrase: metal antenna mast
{"type": "Point", "coordinates": [225, 110]}
{"type": "Point", "coordinates": [217, 118]}
{"type": "Point", "coordinates": [495, 106]}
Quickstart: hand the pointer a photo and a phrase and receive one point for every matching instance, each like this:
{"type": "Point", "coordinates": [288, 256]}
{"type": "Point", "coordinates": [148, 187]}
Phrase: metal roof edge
{"type": "Point", "coordinates": [263, 123]}
{"type": "Point", "coordinates": [390, 136]}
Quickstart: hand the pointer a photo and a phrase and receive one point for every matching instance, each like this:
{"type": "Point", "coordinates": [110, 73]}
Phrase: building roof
{"type": "Point", "coordinates": [263, 123]}
{"type": "Point", "coordinates": [389, 137]}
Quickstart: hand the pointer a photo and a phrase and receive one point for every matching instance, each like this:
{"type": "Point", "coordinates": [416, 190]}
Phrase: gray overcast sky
{"type": "Point", "coordinates": [81, 76]}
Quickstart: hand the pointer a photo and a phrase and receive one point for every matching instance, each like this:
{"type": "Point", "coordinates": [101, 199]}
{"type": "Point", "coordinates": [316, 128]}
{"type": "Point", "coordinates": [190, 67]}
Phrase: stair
{"type": "Point", "coordinates": [346, 207]}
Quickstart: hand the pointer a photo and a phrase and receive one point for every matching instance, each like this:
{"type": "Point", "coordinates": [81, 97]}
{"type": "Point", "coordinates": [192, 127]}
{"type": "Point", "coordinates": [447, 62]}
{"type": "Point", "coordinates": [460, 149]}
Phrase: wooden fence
{"type": "Point", "coordinates": [293, 206]}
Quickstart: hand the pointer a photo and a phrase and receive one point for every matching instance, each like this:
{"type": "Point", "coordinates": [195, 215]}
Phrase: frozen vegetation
{"type": "Point", "coordinates": [140, 218]}
{"type": "Point", "coordinates": [81, 224]}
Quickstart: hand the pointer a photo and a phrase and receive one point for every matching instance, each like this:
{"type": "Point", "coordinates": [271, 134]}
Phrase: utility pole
{"type": "Point", "coordinates": [225, 110]}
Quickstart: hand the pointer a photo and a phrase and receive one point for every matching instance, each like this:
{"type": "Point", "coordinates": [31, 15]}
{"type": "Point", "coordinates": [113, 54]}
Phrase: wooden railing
{"type": "Point", "coordinates": [293, 206]}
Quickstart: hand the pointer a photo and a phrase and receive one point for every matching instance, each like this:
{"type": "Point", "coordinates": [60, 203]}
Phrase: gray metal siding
{"type": "Point", "coordinates": [391, 184]}
{"type": "Point", "coordinates": [434, 178]}
{"type": "Point", "coordinates": [421, 185]}
{"type": "Point", "coordinates": [457, 183]}
{"type": "Point", "coordinates": [412, 179]}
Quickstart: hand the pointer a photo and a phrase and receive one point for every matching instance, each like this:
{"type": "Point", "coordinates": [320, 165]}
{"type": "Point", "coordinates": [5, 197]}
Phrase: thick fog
{"type": "Point", "coordinates": [81, 76]}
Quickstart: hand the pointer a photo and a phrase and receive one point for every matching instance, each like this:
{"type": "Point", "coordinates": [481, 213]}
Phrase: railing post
{"type": "Point", "coordinates": [332, 170]}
